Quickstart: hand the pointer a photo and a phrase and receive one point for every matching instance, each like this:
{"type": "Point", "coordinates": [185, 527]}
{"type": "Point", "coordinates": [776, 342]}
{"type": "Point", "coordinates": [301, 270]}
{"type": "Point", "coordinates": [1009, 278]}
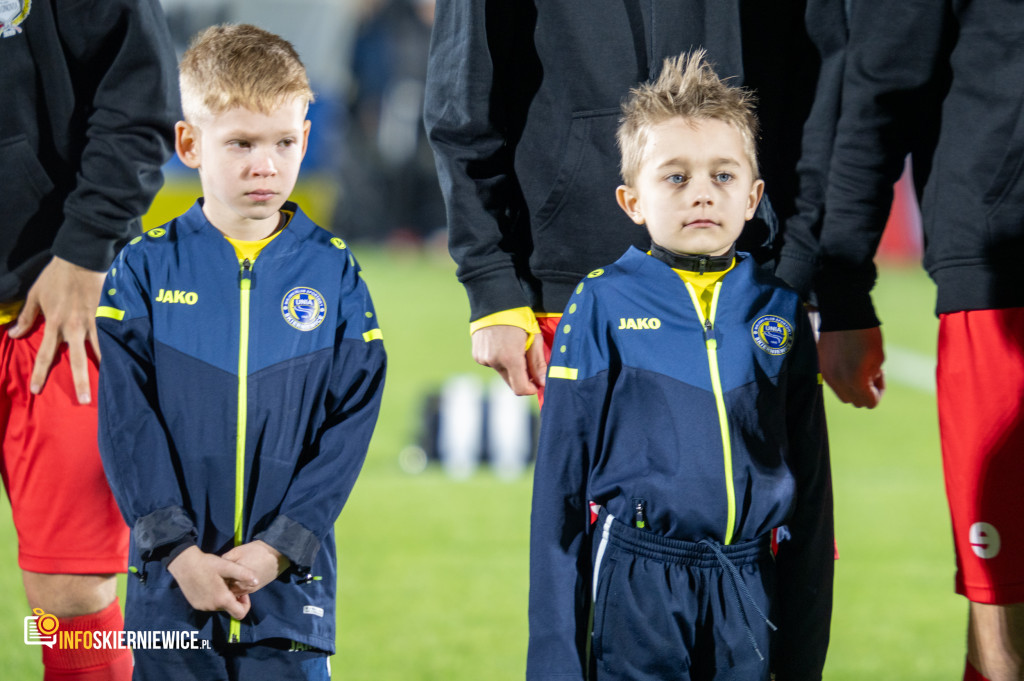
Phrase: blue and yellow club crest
{"type": "Point", "coordinates": [772, 334]}
{"type": "Point", "coordinates": [12, 13]}
{"type": "Point", "coordinates": [303, 308]}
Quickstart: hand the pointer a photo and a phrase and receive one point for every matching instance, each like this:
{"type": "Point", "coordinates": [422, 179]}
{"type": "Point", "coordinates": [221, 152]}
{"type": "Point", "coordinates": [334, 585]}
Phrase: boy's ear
{"type": "Point", "coordinates": [305, 136]}
{"type": "Point", "coordinates": [756, 192]}
{"type": "Point", "coordinates": [628, 199]}
{"type": "Point", "coordinates": [186, 143]}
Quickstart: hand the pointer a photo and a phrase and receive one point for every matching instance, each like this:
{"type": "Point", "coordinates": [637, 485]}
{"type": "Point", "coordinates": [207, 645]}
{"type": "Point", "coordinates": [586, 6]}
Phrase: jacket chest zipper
{"type": "Point", "coordinates": [711, 345]}
{"type": "Point", "coordinates": [244, 286]}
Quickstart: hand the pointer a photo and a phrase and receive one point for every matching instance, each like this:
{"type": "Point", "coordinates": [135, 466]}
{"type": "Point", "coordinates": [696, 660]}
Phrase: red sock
{"type": "Point", "coordinates": [972, 674]}
{"type": "Point", "coordinates": [89, 664]}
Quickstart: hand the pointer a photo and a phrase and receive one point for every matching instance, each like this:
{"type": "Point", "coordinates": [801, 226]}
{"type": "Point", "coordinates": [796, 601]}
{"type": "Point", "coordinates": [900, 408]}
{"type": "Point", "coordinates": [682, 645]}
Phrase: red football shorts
{"type": "Point", "coordinates": [64, 512]}
{"type": "Point", "coordinates": [980, 386]}
{"type": "Point", "coordinates": [548, 326]}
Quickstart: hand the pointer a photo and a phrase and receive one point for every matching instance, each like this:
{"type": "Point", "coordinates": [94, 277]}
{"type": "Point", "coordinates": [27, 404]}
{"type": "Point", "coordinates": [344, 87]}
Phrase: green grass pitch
{"type": "Point", "coordinates": [433, 573]}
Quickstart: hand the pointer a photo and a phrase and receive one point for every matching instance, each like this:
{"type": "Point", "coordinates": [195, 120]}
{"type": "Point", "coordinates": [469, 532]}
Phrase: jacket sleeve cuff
{"type": "Point", "coordinates": [174, 550]}
{"type": "Point", "coordinates": [846, 311]}
{"type": "Point", "coordinates": [520, 317]}
{"type": "Point", "coordinates": [798, 273]}
{"type": "Point", "coordinates": [90, 246]}
{"type": "Point", "coordinates": [844, 296]}
{"type": "Point", "coordinates": [164, 531]}
{"type": "Point", "coordinates": [495, 291]}
{"type": "Point", "coordinates": [293, 540]}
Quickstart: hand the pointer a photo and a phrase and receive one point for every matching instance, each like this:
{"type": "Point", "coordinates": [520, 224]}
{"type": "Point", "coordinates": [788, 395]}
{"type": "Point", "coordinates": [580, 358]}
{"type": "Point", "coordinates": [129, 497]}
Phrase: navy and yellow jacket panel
{"type": "Point", "coordinates": [236, 403]}
{"type": "Point", "coordinates": [714, 422]}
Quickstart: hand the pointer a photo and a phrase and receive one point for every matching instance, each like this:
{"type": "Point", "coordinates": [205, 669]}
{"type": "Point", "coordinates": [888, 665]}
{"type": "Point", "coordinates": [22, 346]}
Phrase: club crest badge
{"type": "Point", "coordinates": [303, 308]}
{"type": "Point", "coordinates": [12, 13]}
{"type": "Point", "coordinates": [772, 334]}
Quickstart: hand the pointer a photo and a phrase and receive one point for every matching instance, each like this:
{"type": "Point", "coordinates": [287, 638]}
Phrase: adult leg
{"type": "Point", "coordinates": [995, 641]}
{"type": "Point", "coordinates": [69, 595]}
{"type": "Point", "coordinates": [980, 381]}
{"type": "Point", "coordinates": [71, 538]}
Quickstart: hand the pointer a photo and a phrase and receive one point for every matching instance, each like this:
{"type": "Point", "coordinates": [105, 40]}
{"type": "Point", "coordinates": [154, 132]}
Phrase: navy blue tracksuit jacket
{"type": "Point", "coordinates": [236, 403]}
{"type": "Point", "coordinates": [716, 424]}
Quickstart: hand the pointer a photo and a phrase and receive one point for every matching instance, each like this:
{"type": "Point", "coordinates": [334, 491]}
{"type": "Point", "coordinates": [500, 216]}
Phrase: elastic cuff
{"type": "Point", "coordinates": [163, 529]}
{"type": "Point", "coordinates": [494, 291]}
{"type": "Point", "coordinates": [82, 243]}
{"type": "Point", "coordinates": [295, 542]}
{"type": "Point", "coordinates": [797, 273]}
{"type": "Point", "coordinates": [520, 317]}
{"type": "Point", "coordinates": [173, 551]}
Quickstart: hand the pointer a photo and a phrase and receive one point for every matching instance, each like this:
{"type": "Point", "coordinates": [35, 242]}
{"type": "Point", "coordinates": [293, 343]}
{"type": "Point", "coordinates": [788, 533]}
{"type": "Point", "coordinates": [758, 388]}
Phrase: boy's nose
{"type": "Point", "coordinates": [263, 166]}
{"type": "Point", "coordinates": [701, 193]}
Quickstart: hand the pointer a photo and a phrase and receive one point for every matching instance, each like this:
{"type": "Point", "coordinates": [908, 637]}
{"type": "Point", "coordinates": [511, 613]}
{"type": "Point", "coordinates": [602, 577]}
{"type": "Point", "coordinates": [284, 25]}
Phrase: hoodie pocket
{"type": "Point", "coordinates": [23, 180]}
{"type": "Point", "coordinates": [588, 169]}
{"type": "Point", "coordinates": [1005, 196]}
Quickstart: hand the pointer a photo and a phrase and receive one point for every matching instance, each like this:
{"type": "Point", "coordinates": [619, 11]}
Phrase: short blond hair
{"type": "Point", "coordinates": [688, 87]}
{"type": "Point", "coordinates": [239, 65]}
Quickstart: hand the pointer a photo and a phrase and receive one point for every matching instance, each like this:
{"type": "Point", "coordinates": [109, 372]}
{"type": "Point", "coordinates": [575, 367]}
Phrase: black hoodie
{"type": "Point", "coordinates": [943, 80]}
{"type": "Point", "coordinates": [90, 99]}
{"type": "Point", "coordinates": [522, 105]}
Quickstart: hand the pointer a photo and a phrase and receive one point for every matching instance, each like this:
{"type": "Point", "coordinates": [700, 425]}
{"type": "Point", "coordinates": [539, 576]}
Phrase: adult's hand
{"type": "Point", "coordinates": [503, 348]}
{"type": "Point", "coordinates": [67, 296]}
{"type": "Point", "coordinates": [851, 363]}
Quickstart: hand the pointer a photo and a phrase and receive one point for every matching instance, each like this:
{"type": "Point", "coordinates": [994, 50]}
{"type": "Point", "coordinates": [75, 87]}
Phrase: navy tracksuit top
{"type": "Point", "coordinates": [236, 403]}
{"type": "Point", "coordinates": [715, 424]}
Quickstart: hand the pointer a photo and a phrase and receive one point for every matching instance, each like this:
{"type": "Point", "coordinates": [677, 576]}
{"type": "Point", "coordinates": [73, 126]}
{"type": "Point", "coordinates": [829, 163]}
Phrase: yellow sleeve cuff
{"type": "Point", "coordinates": [520, 317]}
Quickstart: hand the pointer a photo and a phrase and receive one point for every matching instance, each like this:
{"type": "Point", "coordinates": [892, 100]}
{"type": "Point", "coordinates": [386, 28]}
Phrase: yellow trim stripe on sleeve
{"type": "Point", "coordinates": [520, 317]}
{"type": "Point", "coordinates": [563, 372]}
{"type": "Point", "coordinates": [110, 312]}
{"type": "Point", "coordinates": [373, 334]}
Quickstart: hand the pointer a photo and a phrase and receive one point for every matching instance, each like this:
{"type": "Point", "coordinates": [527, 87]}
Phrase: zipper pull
{"type": "Point", "coordinates": [709, 331]}
{"type": "Point", "coordinates": [702, 263]}
{"type": "Point", "coordinates": [640, 513]}
{"type": "Point", "coordinates": [245, 274]}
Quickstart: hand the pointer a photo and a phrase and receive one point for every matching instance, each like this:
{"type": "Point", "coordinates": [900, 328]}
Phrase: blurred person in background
{"type": "Point", "coordinates": [944, 81]}
{"type": "Point", "coordinates": [521, 107]}
{"type": "Point", "coordinates": [387, 162]}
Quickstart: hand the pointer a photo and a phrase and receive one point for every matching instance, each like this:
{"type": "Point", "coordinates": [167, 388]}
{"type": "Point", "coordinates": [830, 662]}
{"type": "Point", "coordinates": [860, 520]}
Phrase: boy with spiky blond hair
{"type": "Point", "coordinates": [241, 380]}
{"type": "Point", "coordinates": [682, 509]}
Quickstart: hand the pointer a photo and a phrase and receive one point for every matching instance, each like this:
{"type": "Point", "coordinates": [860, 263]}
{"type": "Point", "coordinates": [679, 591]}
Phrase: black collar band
{"type": "Point", "coordinates": [694, 263]}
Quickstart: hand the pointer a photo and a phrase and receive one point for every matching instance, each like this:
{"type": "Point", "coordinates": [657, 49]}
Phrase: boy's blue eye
{"type": "Point", "coordinates": [723, 177]}
{"type": "Point", "coordinates": [676, 179]}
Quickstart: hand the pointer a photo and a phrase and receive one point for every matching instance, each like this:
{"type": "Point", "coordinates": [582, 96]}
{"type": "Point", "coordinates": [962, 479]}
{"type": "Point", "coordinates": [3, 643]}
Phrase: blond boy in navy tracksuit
{"type": "Point", "coordinates": [242, 373]}
{"type": "Point", "coordinates": [682, 513]}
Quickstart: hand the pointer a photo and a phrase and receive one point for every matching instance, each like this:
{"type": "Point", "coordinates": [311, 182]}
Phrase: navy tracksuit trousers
{"type": "Point", "coordinates": [672, 609]}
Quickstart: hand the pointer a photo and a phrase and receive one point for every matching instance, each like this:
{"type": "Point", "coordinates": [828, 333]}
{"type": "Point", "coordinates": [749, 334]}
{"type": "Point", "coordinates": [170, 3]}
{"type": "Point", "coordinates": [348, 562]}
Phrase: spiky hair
{"type": "Point", "coordinates": [687, 87]}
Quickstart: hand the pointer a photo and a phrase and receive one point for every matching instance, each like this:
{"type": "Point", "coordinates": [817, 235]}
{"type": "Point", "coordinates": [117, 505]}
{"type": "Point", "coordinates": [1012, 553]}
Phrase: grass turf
{"type": "Point", "coordinates": [433, 572]}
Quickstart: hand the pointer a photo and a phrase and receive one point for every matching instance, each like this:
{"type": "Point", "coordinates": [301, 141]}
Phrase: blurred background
{"type": "Point", "coordinates": [369, 173]}
{"type": "Point", "coordinates": [433, 544]}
